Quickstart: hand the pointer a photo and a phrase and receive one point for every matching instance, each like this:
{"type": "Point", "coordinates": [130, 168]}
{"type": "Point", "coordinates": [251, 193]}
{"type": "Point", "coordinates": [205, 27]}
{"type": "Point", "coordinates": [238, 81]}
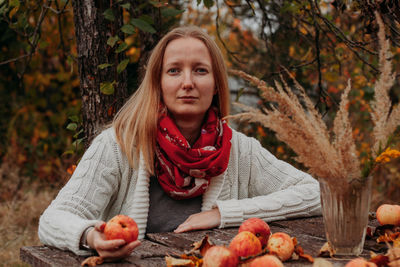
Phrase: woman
{"type": "Point", "coordinates": [171, 163]}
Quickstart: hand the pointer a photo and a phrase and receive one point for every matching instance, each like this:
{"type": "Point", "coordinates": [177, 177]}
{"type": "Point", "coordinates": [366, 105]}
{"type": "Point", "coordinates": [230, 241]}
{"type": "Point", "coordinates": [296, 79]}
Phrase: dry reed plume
{"type": "Point", "coordinates": [331, 156]}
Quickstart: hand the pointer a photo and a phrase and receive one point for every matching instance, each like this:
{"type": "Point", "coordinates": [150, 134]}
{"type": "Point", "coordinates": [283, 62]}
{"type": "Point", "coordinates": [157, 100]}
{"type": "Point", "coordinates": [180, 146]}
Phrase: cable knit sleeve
{"type": "Point", "coordinates": [265, 187]}
{"type": "Point", "coordinates": [82, 201]}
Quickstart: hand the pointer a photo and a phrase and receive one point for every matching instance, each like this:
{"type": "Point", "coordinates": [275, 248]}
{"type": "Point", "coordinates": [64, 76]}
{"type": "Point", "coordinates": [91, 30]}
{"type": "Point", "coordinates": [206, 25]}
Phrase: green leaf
{"type": "Point", "coordinates": [198, 2]}
{"type": "Point", "coordinates": [72, 126]}
{"type": "Point", "coordinates": [158, 4]}
{"type": "Point", "coordinates": [171, 12]}
{"type": "Point", "coordinates": [128, 29]}
{"type": "Point", "coordinates": [14, 3]}
{"type": "Point", "coordinates": [112, 40]}
{"type": "Point", "coordinates": [107, 88]}
{"type": "Point", "coordinates": [68, 152]}
{"type": "Point", "coordinates": [74, 118]}
{"type": "Point", "coordinates": [143, 25]}
{"type": "Point", "coordinates": [77, 142]}
{"type": "Point", "coordinates": [109, 15]}
{"type": "Point", "coordinates": [208, 3]}
{"type": "Point", "coordinates": [126, 6]}
{"type": "Point", "coordinates": [147, 18]}
{"type": "Point", "coordinates": [121, 47]}
{"type": "Point", "coordinates": [122, 65]}
{"type": "Point", "coordinates": [3, 10]}
{"type": "Point", "coordinates": [78, 133]}
{"type": "Point", "coordinates": [105, 65]}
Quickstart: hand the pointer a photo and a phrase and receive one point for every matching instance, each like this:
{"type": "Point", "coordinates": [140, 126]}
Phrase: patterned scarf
{"type": "Point", "coordinates": [184, 171]}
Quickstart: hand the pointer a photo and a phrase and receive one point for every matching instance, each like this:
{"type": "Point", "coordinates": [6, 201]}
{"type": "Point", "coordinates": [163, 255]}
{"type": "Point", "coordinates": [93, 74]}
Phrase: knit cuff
{"type": "Point", "coordinates": [231, 213]}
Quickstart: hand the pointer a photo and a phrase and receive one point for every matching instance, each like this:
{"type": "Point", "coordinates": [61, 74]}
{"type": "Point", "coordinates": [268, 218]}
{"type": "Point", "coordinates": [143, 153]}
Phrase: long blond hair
{"type": "Point", "coordinates": [136, 123]}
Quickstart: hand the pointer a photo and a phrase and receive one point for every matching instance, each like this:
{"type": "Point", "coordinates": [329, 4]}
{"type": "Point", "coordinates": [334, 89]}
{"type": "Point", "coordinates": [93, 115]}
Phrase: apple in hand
{"type": "Point", "coordinates": [245, 244]}
{"type": "Point", "coordinates": [266, 260]}
{"type": "Point", "coordinates": [121, 227]}
{"type": "Point", "coordinates": [281, 245]}
{"type": "Point", "coordinates": [388, 214]}
{"type": "Point", "coordinates": [218, 256]}
{"type": "Point", "coordinates": [258, 227]}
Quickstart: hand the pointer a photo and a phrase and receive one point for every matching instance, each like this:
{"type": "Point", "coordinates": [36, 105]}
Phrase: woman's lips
{"type": "Point", "coordinates": [187, 97]}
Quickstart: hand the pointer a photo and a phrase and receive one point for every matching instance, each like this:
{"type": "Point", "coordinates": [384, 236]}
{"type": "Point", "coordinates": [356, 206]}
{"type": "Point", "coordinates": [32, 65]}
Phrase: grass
{"type": "Point", "coordinates": [20, 208]}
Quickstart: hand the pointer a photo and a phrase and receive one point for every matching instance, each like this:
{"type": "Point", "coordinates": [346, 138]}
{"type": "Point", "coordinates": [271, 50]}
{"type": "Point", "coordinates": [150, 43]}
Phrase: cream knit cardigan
{"type": "Point", "coordinates": [255, 184]}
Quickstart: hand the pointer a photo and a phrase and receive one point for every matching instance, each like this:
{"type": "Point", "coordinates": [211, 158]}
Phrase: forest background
{"type": "Point", "coordinates": [64, 72]}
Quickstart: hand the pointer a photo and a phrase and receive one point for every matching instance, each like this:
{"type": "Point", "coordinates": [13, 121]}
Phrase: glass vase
{"type": "Point", "coordinates": [345, 213]}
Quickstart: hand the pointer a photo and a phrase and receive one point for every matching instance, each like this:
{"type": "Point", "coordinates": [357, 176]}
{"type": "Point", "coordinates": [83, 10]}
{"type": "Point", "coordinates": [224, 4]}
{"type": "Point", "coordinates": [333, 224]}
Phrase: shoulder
{"type": "Point", "coordinates": [242, 141]}
{"type": "Point", "coordinates": [105, 137]}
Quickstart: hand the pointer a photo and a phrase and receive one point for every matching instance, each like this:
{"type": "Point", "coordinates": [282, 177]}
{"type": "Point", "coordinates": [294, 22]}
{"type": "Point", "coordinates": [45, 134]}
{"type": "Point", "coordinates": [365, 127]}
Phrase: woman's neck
{"type": "Point", "coordinates": [190, 129]}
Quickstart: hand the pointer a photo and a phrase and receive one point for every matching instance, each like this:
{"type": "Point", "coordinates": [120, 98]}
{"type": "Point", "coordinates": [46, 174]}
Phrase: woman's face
{"type": "Point", "coordinates": [187, 80]}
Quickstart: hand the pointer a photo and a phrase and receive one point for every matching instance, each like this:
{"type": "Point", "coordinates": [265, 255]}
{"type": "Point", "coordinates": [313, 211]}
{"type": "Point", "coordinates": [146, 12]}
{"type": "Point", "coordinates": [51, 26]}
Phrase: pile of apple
{"type": "Point", "coordinates": [253, 239]}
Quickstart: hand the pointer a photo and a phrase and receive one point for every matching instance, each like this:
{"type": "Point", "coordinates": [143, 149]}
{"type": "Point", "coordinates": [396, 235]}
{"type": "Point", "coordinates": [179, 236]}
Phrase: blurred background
{"type": "Point", "coordinates": [59, 58]}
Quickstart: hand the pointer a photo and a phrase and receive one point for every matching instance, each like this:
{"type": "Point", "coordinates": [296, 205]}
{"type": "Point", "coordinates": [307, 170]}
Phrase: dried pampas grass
{"type": "Point", "coordinates": [295, 120]}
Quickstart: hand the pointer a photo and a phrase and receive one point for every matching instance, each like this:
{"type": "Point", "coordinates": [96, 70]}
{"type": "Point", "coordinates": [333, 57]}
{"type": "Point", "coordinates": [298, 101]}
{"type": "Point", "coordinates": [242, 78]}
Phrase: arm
{"type": "Point", "coordinates": [82, 201]}
{"type": "Point", "coordinates": [266, 187]}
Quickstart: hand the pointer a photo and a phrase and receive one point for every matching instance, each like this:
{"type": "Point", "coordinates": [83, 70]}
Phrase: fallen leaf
{"type": "Point", "coordinates": [92, 261]}
{"type": "Point", "coordinates": [202, 246]}
{"type": "Point", "coordinates": [379, 260]}
{"type": "Point", "coordinates": [326, 248]}
{"type": "Point", "coordinates": [320, 262]}
{"type": "Point", "coordinates": [300, 251]}
{"type": "Point", "coordinates": [172, 262]}
{"type": "Point", "coordinates": [390, 237]}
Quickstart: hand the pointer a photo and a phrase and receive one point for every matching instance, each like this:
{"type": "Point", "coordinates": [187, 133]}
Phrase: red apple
{"type": "Point", "coordinates": [388, 214]}
{"type": "Point", "coordinates": [281, 245]}
{"type": "Point", "coordinates": [121, 227]}
{"type": "Point", "coordinates": [266, 260]}
{"type": "Point", "coordinates": [360, 262]}
{"type": "Point", "coordinates": [218, 256]}
{"type": "Point", "coordinates": [258, 227]}
{"type": "Point", "coordinates": [245, 244]}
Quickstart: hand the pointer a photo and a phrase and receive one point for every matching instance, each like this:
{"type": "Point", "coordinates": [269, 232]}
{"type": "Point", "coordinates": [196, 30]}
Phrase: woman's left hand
{"type": "Point", "coordinates": [202, 220]}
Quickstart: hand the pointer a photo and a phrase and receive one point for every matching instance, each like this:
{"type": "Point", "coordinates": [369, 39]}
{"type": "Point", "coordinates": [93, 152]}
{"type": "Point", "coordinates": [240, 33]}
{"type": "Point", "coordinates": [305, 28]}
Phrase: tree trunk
{"type": "Point", "coordinates": [92, 30]}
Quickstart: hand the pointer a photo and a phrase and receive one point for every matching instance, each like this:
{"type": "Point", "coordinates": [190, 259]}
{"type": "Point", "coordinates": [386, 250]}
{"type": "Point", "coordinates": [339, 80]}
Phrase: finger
{"type": "Point", "coordinates": [122, 252]}
{"type": "Point", "coordinates": [110, 244]}
{"type": "Point", "coordinates": [99, 226]}
{"type": "Point", "coordinates": [184, 227]}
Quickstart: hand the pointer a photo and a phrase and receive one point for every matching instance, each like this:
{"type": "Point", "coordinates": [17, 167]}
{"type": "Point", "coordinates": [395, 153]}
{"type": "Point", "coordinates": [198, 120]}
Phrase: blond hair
{"type": "Point", "coordinates": [136, 123]}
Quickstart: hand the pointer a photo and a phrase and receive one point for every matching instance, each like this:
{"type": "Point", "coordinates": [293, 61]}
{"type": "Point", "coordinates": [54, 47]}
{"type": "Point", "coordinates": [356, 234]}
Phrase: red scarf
{"type": "Point", "coordinates": [184, 171]}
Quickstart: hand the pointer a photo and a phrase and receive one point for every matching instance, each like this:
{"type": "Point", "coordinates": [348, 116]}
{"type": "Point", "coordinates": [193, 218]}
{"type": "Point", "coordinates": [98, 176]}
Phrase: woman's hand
{"type": "Point", "coordinates": [109, 249]}
{"type": "Point", "coordinates": [203, 220]}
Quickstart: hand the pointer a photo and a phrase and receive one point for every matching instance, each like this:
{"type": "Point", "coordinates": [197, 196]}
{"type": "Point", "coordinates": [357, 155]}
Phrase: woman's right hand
{"type": "Point", "coordinates": [109, 249]}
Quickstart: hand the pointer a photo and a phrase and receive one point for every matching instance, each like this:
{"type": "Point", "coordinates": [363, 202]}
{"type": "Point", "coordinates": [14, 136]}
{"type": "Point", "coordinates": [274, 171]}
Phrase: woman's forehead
{"type": "Point", "coordinates": [186, 44]}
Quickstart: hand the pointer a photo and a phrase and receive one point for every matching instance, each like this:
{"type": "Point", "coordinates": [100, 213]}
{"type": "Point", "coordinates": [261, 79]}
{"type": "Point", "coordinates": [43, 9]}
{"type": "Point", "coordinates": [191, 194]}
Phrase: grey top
{"type": "Point", "coordinates": [166, 213]}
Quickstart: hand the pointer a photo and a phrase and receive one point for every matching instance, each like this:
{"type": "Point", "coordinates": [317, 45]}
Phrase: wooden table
{"type": "Point", "coordinates": [308, 231]}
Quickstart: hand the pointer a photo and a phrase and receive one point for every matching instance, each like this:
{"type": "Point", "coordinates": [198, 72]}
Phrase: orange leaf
{"type": "Point", "coordinates": [380, 260]}
{"type": "Point", "coordinates": [300, 251]}
{"type": "Point", "coordinates": [203, 245]}
{"type": "Point", "coordinates": [326, 248]}
{"type": "Point", "coordinates": [92, 261]}
{"type": "Point", "coordinates": [171, 262]}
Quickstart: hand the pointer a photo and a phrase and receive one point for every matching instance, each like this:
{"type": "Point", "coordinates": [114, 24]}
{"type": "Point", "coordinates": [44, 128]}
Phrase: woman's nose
{"type": "Point", "coordinates": [187, 80]}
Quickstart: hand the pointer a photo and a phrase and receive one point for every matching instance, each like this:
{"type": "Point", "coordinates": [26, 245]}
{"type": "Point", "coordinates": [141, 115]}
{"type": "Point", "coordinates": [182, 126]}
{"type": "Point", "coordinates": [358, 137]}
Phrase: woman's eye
{"type": "Point", "coordinates": [172, 71]}
{"type": "Point", "coordinates": [201, 70]}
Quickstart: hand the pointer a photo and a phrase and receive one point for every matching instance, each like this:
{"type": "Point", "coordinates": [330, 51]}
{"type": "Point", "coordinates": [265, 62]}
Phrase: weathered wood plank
{"type": "Point", "coordinates": [308, 231]}
{"type": "Point", "coordinates": [43, 256]}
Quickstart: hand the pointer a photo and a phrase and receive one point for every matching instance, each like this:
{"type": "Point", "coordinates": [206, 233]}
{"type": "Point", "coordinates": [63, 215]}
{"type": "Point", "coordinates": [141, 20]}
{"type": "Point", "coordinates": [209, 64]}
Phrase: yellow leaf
{"type": "Point", "coordinates": [13, 11]}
